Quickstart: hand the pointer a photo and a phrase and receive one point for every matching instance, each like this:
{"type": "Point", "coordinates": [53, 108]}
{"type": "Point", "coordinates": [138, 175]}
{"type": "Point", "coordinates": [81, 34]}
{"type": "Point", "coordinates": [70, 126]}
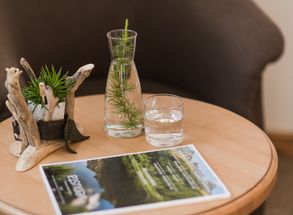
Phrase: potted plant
{"type": "Point", "coordinates": [43, 112]}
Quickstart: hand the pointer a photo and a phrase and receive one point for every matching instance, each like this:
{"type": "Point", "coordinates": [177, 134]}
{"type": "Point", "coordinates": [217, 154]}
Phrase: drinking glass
{"type": "Point", "coordinates": [163, 118]}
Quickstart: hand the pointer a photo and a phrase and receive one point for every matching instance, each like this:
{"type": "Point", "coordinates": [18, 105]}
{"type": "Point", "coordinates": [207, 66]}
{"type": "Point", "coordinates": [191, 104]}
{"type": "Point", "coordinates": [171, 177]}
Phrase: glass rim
{"type": "Point", "coordinates": [121, 30]}
{"type": "Point", "coordinates": [165, 94]}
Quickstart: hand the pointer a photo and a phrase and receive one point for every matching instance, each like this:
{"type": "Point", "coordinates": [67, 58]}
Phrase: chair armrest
{"type": "Point", "coordinates": [215, 51]}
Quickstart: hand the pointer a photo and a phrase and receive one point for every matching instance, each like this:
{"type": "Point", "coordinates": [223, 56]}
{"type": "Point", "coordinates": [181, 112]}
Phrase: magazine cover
{"type": "Point", "coordinates": [131, 182]}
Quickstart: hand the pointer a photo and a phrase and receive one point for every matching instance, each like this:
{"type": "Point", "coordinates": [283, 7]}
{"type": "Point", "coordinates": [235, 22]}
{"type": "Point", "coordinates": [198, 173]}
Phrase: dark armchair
{"type": "Point", "coordinates": [210, 50]}
{"type": "Point", "coordinates": [214, 51]}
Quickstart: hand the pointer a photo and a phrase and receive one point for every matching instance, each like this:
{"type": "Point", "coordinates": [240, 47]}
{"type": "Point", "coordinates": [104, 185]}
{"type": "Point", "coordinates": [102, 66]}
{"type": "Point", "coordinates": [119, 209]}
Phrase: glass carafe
{"type": "Point", "coordinates": [123, 113]}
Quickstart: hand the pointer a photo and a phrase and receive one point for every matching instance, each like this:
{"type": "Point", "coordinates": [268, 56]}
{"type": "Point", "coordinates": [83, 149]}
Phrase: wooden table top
{"type": "Point", "coordinates": [238, 151]}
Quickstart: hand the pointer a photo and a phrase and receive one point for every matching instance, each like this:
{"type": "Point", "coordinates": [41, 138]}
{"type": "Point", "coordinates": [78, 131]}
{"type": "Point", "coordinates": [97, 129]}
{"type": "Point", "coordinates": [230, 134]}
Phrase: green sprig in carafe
{"type": "Point", "coordinates": [123, 99]}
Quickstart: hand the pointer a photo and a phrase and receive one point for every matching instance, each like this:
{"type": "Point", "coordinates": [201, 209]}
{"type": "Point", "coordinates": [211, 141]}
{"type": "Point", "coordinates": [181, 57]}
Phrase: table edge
{"type": "Point", "coordinates": [257, 194]}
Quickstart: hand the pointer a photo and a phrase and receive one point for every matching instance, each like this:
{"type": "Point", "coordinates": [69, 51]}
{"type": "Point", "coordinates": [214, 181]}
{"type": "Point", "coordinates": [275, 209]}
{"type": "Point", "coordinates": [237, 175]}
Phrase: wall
{"type": "Point", "coordinates": [278, 77]}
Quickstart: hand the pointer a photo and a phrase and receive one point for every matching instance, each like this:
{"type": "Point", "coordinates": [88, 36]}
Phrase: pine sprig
{"type": "Point", "coordinates": [52, 78]}
{"type": "Point", "coordinates": [117, 96]}
{"type": "Point", "coordinates": [119, 82]}
{"type": "Point", "coordinates": [123, 48]}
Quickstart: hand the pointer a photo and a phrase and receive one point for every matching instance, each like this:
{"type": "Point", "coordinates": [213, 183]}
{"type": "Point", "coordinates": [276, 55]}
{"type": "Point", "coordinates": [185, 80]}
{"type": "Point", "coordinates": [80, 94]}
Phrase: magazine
{"type": "Point", "coordinates": [131, 182]}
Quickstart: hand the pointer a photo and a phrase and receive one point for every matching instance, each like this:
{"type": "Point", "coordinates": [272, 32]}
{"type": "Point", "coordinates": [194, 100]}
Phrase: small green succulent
{"type": "Point", "coordinates": [50, 77]}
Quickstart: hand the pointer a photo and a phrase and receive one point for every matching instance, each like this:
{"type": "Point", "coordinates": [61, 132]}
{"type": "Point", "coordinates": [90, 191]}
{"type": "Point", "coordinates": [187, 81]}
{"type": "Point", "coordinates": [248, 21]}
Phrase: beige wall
{"type": "Point", "coordinates": [278, 77]}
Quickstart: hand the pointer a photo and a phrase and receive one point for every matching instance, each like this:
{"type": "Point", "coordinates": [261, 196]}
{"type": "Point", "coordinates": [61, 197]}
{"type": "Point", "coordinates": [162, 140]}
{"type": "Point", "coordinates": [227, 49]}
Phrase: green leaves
{"type": "Point", "coordinates": [52, 78]}
{"type": "Point", "coordinates": [125, 35]}
{"type": "Point", "coordinates": [117, 95]}
{"type": "Point", "coordinates": [123, 48]}
{"type": "Point", "coordinates": [32, 93]}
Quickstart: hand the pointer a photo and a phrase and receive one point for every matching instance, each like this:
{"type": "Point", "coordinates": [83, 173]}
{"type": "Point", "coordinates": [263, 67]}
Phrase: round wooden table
{"type": "Point", "coordinates": [239, 152]}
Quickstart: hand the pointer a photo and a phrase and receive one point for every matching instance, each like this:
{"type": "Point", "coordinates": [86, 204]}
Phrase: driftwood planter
{"type": "Point", "coordinates": [36, 137]}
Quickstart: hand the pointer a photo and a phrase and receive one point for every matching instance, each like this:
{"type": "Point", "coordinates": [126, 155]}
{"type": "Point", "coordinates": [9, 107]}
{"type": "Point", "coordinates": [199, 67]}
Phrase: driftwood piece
{"type": "Point", "coordinates": [52, 103]}
{"type": "Point", "coordinates": [81, 74]}
{"type": "Point", "coordinates": [32, 155]}
{"type": "Point", "coordinates": [27, 68]}
{"type": "Point", "coordinates": [20, 141]}
{"type": "Point", "coordinates": [42, 87]}
{"type": "Point", "coordinates": [17, 101]}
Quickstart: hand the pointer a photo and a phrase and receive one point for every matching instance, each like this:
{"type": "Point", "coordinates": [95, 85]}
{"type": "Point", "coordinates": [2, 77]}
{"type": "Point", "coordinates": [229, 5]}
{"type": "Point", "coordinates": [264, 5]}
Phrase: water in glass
{"type": "Point", "coordinates": [164, 126]}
